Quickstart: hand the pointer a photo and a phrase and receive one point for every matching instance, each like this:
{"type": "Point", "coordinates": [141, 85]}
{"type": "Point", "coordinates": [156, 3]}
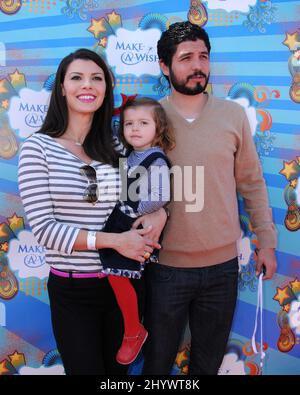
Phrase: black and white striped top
{"type": "Point", "coordinates": [52, 187]}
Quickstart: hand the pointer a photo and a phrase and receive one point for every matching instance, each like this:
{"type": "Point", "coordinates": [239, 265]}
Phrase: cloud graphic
{"type": "Point", "coordinates": [28, 110]}
{"type": "Point", "coordinates": [231, 365]}
{"type": "Point", "coordinates": [244, 250]}
{"type": "Point", "coordinates": [134, 52]}
{"type": "Point", "coordinates": [43, 370]}
{"type": "Point", "coordinates": [27, 256]}
{"type": "Point", "coordinates": [2, 54]}
{"type": "Point", "coordinates": [250, 112]}
{"type": "Point", "coordinates": [231, 5]}
{"type": "Point", "coordinates": [294, 315]}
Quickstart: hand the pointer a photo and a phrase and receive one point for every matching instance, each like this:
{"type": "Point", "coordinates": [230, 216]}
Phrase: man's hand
{"type": "Point", "coordinates": [157, 219]}
{"type": "Point", "coordinates": [266, 257]}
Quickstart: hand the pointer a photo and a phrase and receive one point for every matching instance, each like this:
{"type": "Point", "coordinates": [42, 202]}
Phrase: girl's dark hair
{"type": "Point", "coordinates": [98, 143]}
{"type": "Point", "coordinates": [176, 34]}
{"type": "Point", "coordinates": [164, 131]}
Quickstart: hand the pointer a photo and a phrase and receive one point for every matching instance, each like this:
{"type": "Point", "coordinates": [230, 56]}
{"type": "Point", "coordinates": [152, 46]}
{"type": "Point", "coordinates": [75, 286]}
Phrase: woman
{"type": "Point", "coordinates": [69, 183]}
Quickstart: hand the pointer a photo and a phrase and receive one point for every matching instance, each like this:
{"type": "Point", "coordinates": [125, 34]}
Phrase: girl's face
{"type": "Point", "coordinates": [139, 127]}
{"type": "Point", "coordinates": [84, 87]}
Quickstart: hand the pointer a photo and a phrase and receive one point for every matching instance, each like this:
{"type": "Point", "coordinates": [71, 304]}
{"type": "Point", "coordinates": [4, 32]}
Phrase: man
{"type": "Point", "coordinates": [198, 271]}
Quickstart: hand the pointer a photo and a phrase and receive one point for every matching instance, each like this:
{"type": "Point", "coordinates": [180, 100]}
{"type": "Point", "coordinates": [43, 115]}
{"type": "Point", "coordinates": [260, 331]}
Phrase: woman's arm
{"type": "Point", "coordinates": [132, 244]}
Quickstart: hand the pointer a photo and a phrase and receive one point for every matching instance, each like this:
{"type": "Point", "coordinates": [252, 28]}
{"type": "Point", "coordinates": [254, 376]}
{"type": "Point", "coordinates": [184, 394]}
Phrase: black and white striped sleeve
{"type": "Point", "coordinates": [33, 179]}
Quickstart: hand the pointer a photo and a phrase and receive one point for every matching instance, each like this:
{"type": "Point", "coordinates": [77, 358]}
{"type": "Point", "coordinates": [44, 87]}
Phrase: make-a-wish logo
{"type": "Point", "coordinates": [34, 114]}
{"type": "Point", "coordinates": [33, 255]}
{"type": "Point", "coordinates": [134, 52]}
{"type": "Point", "coordinates": [28, 111]}
{"type": "Point", "coordinates": [27, 256]}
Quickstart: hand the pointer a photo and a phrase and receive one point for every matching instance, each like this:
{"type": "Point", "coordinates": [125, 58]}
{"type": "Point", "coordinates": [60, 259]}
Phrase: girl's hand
{"type": "Point", "coordinates": [135, 243]}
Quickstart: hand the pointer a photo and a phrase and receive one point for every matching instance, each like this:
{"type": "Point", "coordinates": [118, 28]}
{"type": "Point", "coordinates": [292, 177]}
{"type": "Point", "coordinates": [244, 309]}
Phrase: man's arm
{"type": "Point", "coordinates": [157, 219]}
{"type": "Point", "coordinates": [251, 185]}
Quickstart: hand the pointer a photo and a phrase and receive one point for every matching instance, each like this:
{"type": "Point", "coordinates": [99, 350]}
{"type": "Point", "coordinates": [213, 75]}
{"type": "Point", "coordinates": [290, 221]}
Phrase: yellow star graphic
{"type": "Point", "coordinates": [15, 222]}
{"type": "Point", "coordinates": [289, 169]}
{"type": "Point", "coordinates": [295, 286]}
{"type": "Point", "coordinates": [180, 358]}
{"type": "Point", "coordinates": [97, 26]}
{"type": "Point", "coordinates": [282, 295]}
{"type": "Point", "coordinates": [298, 159]}
{"type": "Point", "coordinates": [293, 183]}
{"type": "Point", "coordinates": [290, 40]}
{"type": "Point", "coordinates": [17, 359]}
{"type": "Point", "coordinates": [5, 104]}
{"type": "Point", "coordinates": [286, 307]}
{"type": "Point", "coordinates": [16, 78]}
{"type": "Point", "coordinates": [114, 18]}
{"type": "Point", "coordinates": [4, 247]}
{"type": "Point", "coordinates": [3, 233]}
{"type": "Point", "coordinates": [3, 368]}
{"type": "Point", "coordinates": [103, 42]}
{"type": "Point", "coordinates": [2, 87]}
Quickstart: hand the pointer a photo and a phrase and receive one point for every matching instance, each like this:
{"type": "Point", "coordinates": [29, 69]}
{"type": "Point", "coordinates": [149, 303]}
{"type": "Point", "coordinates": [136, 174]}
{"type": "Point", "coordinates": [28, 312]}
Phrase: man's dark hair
{"type": "Point", "coordinates": [177, 33]}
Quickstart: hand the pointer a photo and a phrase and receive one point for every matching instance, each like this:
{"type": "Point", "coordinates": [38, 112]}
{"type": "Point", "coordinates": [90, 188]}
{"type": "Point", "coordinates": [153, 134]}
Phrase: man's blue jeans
{"type": "Point", "coordinates": [206, 297]}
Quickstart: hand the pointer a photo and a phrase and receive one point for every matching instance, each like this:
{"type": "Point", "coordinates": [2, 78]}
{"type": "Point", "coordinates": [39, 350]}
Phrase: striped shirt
{"type": "Point", "coordinates": [52, 188]}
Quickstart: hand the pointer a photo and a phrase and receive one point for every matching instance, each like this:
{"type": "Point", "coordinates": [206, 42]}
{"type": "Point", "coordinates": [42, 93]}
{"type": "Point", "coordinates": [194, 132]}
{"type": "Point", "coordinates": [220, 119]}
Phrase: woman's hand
{"type": "Point", "coordinates": [135, 243]}
{"type": "Point", "coordinates": [157, 220]}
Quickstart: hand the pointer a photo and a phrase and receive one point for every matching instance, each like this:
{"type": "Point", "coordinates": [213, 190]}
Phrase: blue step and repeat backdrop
{"type": "Point", "coordinates": [255, 61]}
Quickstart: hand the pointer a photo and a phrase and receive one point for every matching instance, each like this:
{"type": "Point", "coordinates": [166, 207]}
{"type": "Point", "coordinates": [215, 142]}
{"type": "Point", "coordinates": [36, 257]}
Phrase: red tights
{"type": "Point", "coordinates": [127, 301]}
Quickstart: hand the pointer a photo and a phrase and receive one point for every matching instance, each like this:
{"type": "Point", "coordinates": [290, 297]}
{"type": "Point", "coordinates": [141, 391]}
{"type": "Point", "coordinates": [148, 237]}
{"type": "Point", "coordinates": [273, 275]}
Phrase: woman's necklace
{"type": "Point", "coordinates": [78, 143]}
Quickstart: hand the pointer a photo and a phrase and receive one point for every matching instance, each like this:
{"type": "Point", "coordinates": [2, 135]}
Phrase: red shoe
{"type": "Point", "coordinates": [131, 346]}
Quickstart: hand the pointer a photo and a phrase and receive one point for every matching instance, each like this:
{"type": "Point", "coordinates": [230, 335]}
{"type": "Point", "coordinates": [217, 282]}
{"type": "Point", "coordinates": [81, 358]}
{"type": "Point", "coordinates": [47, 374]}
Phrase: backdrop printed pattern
{"type": "Point", "coordinates": [255, 61]}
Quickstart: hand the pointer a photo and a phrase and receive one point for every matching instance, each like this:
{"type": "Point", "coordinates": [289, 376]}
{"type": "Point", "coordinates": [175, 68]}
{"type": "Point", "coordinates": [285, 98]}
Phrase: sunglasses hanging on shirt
{"type": "Point", "coordinates": [91, 192]}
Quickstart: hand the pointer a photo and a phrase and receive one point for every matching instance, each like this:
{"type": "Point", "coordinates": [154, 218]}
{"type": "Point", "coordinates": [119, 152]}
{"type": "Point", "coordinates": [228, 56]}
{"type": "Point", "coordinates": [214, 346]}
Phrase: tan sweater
{"type": "Point", "coordinates": [220, 140]}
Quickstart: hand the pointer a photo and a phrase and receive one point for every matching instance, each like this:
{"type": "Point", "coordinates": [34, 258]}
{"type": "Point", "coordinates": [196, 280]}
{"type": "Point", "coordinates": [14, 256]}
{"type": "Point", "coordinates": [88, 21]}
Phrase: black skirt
{"type": "Point", "coordinates": [118, 222]}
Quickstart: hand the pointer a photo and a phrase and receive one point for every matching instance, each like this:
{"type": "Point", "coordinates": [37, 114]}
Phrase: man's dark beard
{"type": "Point", "coordinates": [182, 88]}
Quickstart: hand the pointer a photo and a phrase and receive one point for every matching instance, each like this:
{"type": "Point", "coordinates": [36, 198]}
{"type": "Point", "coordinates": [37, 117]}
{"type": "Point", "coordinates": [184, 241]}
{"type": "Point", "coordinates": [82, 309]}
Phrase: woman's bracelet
{"type": "Point", "coordinates": [91, 240]}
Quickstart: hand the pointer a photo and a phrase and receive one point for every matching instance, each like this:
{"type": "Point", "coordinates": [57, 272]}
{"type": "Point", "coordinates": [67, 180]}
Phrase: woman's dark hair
{"type": "Point", "coordinates": [164, 132]}
{"type": "Point", "coordinates": [176, 34]}
{"type": "Point", "coordinates": [98, 143]}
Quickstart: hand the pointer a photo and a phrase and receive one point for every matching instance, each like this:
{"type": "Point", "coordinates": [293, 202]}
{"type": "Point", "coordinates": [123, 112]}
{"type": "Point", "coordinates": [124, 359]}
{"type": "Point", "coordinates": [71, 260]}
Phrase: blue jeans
{"type": "Point", "coordinates": [206, 297]}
